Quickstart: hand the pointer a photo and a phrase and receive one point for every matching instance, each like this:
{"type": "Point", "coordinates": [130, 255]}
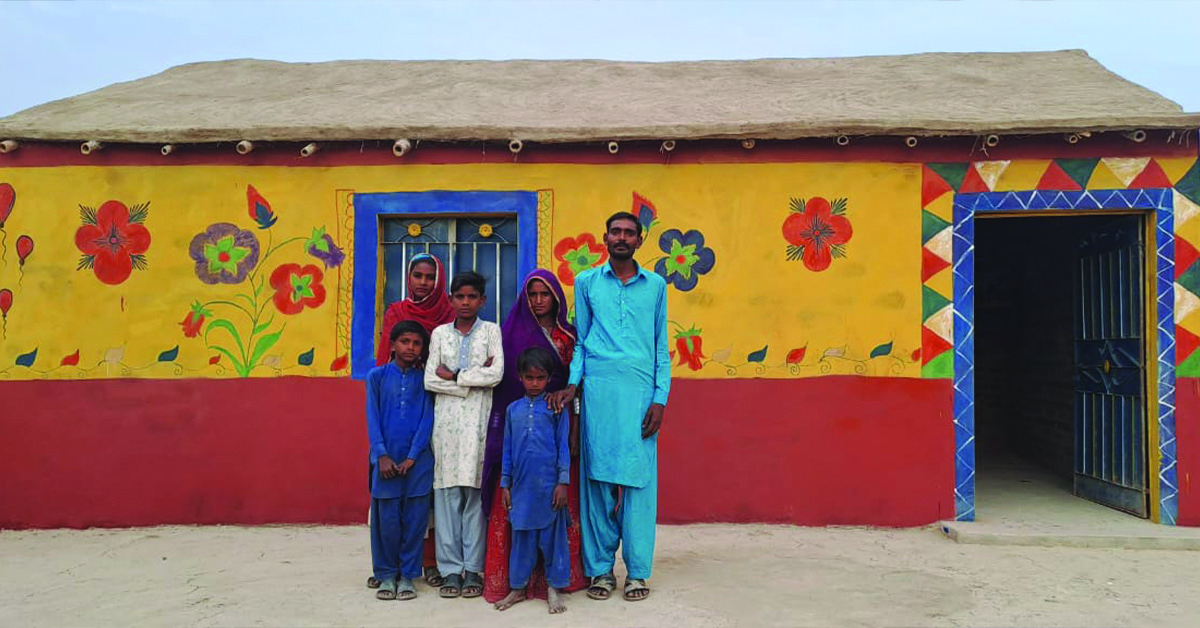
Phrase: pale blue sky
{"type": "Point", "coordinates": [58, 49]}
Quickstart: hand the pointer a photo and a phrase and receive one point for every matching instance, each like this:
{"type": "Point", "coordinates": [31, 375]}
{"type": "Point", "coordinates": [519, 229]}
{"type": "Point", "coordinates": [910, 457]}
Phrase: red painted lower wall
{"type": "Point", "coordinates": [1187, 449]}
{"type": "Point", "coordinates": [843, 450]}
{"type": "Point", "coordinates": [817, 451]}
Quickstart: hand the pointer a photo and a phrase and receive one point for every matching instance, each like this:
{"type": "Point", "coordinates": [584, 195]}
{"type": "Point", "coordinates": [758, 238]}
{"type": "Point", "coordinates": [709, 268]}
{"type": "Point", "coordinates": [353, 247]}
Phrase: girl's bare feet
{"type": "Point", "coordinates": [556, 601]}
{"type": "Point", "coordinates": [513, 597]}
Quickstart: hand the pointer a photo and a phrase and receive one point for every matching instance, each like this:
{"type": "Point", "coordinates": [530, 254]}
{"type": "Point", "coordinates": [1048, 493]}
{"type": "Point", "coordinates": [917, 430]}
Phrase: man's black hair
{"type": "Point", "coordinates": [623, 216]}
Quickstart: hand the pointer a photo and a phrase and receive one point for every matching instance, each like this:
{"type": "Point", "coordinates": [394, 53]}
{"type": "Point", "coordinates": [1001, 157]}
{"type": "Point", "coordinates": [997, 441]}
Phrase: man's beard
{"type": "Point", "coordinates": [622, 256]}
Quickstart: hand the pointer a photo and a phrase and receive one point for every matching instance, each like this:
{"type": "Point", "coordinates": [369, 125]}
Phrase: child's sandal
{"type": "Point", "coordinates": [473, 585]}
{"type": "Point", "coordinates": [433, 577]}
{"type": "Point", "coordinates": [387, 590]}
{"type": "Point", "coordinates": [405, 590]}
{"type": "Point", "coordinates": [451, 586]}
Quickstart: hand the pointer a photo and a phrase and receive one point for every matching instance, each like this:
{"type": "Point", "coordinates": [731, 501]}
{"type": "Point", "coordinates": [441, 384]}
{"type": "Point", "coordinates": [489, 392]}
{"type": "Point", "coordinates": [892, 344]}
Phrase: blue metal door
{"type": "Point", "coordinates": [1110, 417]}
{"type": "Point", "coordinates": [485, 244]}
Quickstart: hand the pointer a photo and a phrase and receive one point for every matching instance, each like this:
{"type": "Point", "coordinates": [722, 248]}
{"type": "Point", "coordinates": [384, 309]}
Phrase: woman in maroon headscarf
{"type": "Point", "coordinates": [429, 305]}
{"type": "Point", "coordinates": [427, 302]}
{"type": "Point", "coordinates": [539, 319]}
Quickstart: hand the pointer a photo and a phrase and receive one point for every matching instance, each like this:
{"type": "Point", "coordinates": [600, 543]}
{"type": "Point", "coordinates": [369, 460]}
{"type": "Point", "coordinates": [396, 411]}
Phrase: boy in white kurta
{"type": "Point", "coordinates": [466, 360]}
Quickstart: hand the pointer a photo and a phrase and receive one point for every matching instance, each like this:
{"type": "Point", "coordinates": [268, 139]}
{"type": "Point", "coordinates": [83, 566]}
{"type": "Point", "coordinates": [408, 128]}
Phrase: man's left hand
{"type": "Point", "coordinates": [653, 421]}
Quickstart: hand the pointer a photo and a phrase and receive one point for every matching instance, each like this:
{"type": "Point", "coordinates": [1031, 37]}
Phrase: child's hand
{"type": "Point", "coordinates": [387, 468]}
{"type": "Point", "coordinates": [488, 362]}
{"type": "Point", "coordinates": [506, 498]}
{"type": "Point", "coordinates": [445, 373]}
{"type": "Point", "coordinates": [560, 497]}
{"type": "Point", "coordinates": [405, 466]}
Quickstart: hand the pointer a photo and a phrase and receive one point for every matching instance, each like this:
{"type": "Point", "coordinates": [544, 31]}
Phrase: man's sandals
{"type": "Point", "coordinates": [602, 587]}
{"type": "Point", "coordinates": [451, 586]}
{"type": "Point", "coordinates": [636, 590]}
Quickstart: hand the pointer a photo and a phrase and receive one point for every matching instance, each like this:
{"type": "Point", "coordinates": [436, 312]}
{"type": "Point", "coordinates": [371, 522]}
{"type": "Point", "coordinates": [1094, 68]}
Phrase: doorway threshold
{"type": "Point", "coordinates": [1018, 503]}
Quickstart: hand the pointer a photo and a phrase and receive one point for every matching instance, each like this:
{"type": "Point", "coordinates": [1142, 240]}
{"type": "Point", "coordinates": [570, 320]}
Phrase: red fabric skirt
{"type": "Point", "coordinates": [499, 542]}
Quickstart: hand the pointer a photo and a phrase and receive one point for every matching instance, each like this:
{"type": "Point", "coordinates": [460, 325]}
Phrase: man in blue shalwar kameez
{"type": "Point", "coordinates": [535, 471]}
{"type": "Point", "coordinates": [399, 424]}
{"type": "Point", "coordinates": [623, 362]}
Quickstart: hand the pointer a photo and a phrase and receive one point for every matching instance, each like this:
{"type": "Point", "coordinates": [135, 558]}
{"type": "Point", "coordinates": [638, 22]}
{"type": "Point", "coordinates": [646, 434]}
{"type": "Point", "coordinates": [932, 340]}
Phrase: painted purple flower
{"type": "Point", "coordinates": [322, 247]}
{"type": "Point", "coordinates": [224, 253]}
{"type": "Point", "coordinates": [686, 258]}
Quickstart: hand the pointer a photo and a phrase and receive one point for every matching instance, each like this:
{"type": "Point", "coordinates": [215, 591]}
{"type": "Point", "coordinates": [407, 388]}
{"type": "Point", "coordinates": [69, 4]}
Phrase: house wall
{"type": "Point", "coordinates": [809, 388]}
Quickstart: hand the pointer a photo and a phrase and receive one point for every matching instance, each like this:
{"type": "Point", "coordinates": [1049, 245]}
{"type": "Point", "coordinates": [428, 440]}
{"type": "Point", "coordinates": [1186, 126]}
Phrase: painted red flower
{"type": "Point", "coordinates": [690, 348]}
{"type": "Point", "coordinates": [194, 320]}
{"type": "Point", "coordinates": [578, 254]}
{"type": "Point", "coordinates": [259, 209]}
{"type": "Point", "coordinates": [817, 231]}
{"type": "Point", "coordinates": [297, 287]}
{"type": "Point", "coordinates": [113, 240]}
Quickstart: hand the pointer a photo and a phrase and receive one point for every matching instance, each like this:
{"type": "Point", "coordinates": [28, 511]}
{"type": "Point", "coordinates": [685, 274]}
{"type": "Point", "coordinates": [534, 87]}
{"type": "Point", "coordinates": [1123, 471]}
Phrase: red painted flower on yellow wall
{"type": "Point", "coordinates": [194, 321]}
{"type": "Point", "coordinates": [578, 254]}
{"type": "Point", "coordinates": [113, 240]}
{"type": "Point", "coordinates": [689, 346]}
{"type": "Point", "coordinates": [817, 231]}
{"type": "Point", "coordinates": [297, 287]}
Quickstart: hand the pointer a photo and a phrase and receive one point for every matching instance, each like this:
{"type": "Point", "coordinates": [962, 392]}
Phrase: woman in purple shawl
{"type": "Point", "coordinates": [537, 320]}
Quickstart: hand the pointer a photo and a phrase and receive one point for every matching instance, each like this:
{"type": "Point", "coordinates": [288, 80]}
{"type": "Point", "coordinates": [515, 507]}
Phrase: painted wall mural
{"type": "Point", "coordinates": [773, 270]}
{"type": "Point", "coordinates": [222, 271]}
{"type": "Point", "coordinates": [170, 287]}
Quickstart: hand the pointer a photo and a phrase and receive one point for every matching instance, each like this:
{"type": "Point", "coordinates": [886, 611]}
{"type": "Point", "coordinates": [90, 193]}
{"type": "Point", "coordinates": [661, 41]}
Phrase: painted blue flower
{"type": "Point", "coordinates": [686, 258]}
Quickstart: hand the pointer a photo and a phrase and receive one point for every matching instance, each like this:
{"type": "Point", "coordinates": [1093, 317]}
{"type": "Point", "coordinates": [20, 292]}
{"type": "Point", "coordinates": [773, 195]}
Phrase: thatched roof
{"type": "Point", "coordinates": [926, 94]}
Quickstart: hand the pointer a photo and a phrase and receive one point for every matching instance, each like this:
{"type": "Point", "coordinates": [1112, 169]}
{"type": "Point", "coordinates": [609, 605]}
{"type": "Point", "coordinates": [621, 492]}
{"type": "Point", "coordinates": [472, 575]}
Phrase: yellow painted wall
{"type": "Point", "coordinates": [866, 302]}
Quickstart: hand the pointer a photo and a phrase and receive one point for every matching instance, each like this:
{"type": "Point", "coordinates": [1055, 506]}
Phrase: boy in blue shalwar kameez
{"type": "Point", "coordinates": [399, 424]}
{"type": "Point", "coordinates": [534, 475]}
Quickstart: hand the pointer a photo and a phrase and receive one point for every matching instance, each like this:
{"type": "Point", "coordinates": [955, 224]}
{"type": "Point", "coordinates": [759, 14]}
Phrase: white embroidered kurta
{"type": "Point", "coordinates": [461, 409]}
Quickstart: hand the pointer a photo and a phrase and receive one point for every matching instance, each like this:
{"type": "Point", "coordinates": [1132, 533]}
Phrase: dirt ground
{"type": "Point", "coordinates": [711, 575]}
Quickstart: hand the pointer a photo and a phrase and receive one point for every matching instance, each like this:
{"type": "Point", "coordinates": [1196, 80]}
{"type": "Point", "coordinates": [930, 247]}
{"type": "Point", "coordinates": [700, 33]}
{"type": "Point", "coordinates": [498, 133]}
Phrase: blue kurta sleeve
{"type": "Point", "coordinates": [583, 322]}
{"type": "Point", "coordinates": [561, 437]}
{"type": "Point", "coordinates": [662, 355]}
{"type": "Point", "coordinates": [374, 426]}
{"type": "Point", "coordinates": [420, 439]}
{"type": "Point", "coordinates": [506, 459]}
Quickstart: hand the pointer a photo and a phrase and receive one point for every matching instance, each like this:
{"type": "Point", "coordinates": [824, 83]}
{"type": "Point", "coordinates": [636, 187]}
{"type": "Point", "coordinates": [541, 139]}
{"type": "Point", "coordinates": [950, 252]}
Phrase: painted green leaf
{"type": "Point", "coordinates": [26, 359]}
{"type": "Point", "coordinates": [221, 323]}
{"type": "Point", "coordinates": [263, 326]}
{"type": "Point", "coordinates": [306, 358]}
{"type": "Point", "coordinates": [881, 350]}
{"type": "Point", "coordinates": [262, 346]}
{"type": "Point", "coordinates": [237, 364]}
{"type": "Point", "coordinates": [169, 355]}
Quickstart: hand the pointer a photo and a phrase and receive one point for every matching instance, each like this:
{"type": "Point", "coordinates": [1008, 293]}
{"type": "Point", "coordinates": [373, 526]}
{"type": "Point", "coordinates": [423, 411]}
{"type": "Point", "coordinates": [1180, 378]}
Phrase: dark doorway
{"type": "Point", "coordinates": [1059, 355]}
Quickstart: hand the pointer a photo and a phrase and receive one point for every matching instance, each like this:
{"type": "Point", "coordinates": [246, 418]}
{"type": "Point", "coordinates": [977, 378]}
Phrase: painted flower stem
{"type": "Point", "coordinates": [272, 249]}
{"type": "Point", "coordinates": [231, 304]}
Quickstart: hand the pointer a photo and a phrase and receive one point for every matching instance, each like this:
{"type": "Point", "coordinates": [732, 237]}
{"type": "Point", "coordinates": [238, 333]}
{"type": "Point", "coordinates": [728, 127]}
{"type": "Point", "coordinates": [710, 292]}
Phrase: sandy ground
{"type": "Point", "coordinates": [711, 575]}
